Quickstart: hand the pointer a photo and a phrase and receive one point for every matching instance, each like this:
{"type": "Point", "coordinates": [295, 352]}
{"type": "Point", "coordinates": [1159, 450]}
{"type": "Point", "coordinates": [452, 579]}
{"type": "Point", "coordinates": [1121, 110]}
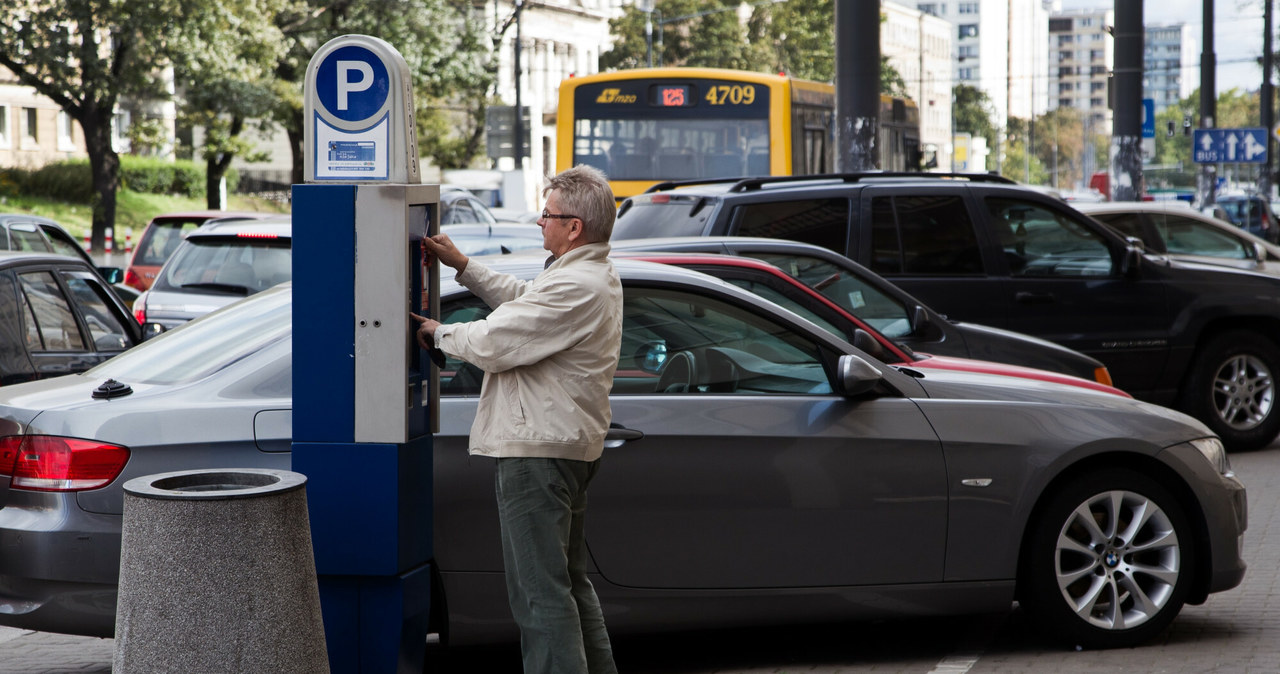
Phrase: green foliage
{"type": "Point", "coordinates": [973, 112]}
{"type": "Point", "coordinates": [70, 180]}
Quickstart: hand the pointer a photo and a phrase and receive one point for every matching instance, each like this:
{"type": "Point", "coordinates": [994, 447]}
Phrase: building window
{"type": "Point", "coordinates": [1064, 87]}
{"type": "Point", "coordinates": [928, 7]}
{"type": "Point", "coordinates": [66, 134]}
{"type": "Point", "coordinates": [966, 74]}
{"type": "Point", "coordinates": [968, 30]}
{"type": "Point", "coordinates": [30, 127]}
{"type": "Point", "coordinates": [968, 51]}
{"type": "Point", "coordinates": [1097, 54]}
{"type": "Point", "coordinates": [1065, 72]}
{"type": "Point", "coordinates": [4, 127]}
{"type": "Point", "coordinates": [968, 8]}
{"type": "Point", "coordinates": [1064, 103]}
{"type": "Point", "coordinates": [1095, 102]}
{"type": "Point", "coordinates": [1098, 70]}
{"type": "Point", "coordinates": [1064, 39]}
{"type": "Point", "coordinates": [120, 123]}
{"type": "Point", "coordinates": [1097, 86]}
{"type": "Point", "coordinates": [1086, 21]}
{"type": "Point", "coordinates": [1065, 55]}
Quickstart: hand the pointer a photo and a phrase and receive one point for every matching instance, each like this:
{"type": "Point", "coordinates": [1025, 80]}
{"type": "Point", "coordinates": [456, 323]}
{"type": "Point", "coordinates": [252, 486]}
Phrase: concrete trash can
{"type": "Point", "coordinates": [217, 575]}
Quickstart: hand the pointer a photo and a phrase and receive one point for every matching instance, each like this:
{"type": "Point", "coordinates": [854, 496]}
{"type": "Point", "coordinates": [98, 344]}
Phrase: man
{"type": "Point", "coordinates": [548, 351]}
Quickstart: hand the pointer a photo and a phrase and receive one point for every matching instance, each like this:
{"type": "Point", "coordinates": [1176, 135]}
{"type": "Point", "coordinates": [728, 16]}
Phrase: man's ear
{"type": "Point", "coordinates": [575, 229]}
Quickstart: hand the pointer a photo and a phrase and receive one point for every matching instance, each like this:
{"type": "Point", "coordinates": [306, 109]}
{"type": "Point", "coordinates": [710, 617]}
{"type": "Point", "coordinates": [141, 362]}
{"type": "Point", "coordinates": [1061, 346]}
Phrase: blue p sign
{"type": "Point", "coordinates": [352, 84]}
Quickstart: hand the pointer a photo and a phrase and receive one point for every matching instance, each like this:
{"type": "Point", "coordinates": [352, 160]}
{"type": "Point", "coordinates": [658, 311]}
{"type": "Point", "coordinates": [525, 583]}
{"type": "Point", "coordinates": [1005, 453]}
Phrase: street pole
{"type": "Point", "coordinates": [517, 130]}
{"type": "Point", "coordinates": [1126, 132]}
{"type": "Point", "coordinates": [1206, 184]}
{"type": "Point", "coordinates": [1268, 95]}
{"type": "Point", "coordinates": [857, 84]}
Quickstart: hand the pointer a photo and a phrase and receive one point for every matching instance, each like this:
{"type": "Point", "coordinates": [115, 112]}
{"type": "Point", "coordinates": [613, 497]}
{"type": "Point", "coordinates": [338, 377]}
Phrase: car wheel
{"type": "Point", "coordinates": [1232, 389]}
{"type": "Point", "coordinates": [1110, 561]}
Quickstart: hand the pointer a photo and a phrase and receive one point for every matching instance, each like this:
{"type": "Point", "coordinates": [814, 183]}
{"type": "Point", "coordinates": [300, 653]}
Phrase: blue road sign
{"type": "Point", "coordinates": [1229, 146]}
{"type": "Point", "coordinates": [1148, 118]}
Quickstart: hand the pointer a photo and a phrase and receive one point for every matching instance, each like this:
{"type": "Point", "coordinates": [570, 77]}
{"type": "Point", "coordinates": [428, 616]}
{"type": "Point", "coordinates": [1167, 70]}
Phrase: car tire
{"type": "Point", "coordinates": [1232, 389]}
{"type": "Point", "coordinates": [1109, 562]}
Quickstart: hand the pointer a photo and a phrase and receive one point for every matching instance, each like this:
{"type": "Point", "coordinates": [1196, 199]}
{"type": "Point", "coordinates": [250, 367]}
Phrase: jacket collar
{"type": "Point", "coordinates": [588, 252]}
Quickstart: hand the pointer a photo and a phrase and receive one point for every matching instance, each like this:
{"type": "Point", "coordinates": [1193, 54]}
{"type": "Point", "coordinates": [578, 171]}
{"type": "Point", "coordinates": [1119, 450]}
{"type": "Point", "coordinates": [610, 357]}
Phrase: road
{"type": "Point", "coordinates": [1235, 631]}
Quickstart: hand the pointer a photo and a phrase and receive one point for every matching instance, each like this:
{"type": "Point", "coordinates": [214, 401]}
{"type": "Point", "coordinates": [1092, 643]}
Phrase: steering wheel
{"type": "Point", "coordinates": [679, 375]}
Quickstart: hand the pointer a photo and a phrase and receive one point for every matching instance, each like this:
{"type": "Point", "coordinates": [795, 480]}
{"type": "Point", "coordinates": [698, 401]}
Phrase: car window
{"type": "Point", "coordinates": [51, 324]}
{"type": "Point", "coordinates": [677, 342]}
{"type": "Point", "coordinates": [1192, 237]}
{"type": "Point", "coordinates": [1130, 224]}
{"type": "Point", "coordinates": [237, 265]}
{"type": "Point", "coordinates": [460, 213]}
{"type": "Point", "coordinates": [822, 222]}
{"type": "Point", "coordinates": [665, 216]}
{"type": "Point", "coordinates": [63, 244]}
{"type": "Point", "coordinates": [28, 237]}
{"type": "Point", "coordinates": [925, 235]}
{"type": "Point", "coordinates": [161, 239]}
{"type": "Point", "coordinates": [483, 216]}
{"type": "Point", "coordinates": [788, 303]}
{"type": "Point", "coordinates": [106, 328]}
{"type": "Point", "coordinates": [846, 290]}
{"type": "Point", "coordinates": [1038, 241]}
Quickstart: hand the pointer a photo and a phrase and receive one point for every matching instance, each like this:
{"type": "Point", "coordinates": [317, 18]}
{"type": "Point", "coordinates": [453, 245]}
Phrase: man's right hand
{"type": "Point", "coordinates": [441, 248]}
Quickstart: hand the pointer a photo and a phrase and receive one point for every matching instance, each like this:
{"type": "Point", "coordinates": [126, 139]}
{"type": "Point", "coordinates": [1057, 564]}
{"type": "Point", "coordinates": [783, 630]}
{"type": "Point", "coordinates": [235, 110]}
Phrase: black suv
{"type": "Point", "coordinates": [981, 248]}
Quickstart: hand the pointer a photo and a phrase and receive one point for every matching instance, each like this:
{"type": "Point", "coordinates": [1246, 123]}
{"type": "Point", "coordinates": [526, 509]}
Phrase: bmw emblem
{"type": "Point", "coordinates": [1112, 559]}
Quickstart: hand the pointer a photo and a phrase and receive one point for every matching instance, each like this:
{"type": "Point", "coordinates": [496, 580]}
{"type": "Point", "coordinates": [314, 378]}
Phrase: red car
{"type": "Point", "coordinates": [161, 238]}
{"type": "Point", "coordinates": [775, 285]}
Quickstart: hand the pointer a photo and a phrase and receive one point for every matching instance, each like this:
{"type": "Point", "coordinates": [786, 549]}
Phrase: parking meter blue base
{"type": "Point", "coordinates": [376, 624]}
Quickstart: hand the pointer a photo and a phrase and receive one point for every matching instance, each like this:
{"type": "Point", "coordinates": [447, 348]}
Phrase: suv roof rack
{"type": "Point", "coordinates": [743, 184]}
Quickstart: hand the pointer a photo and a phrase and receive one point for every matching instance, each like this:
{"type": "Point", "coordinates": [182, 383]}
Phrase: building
{"type": "Point", "coordinates": [1167, 49]}
{"type": "Point", "coordinates": [1029, 58]}
{"type": "Point", "coordinates": [919, 46]}
{"type": "Point", "coordinates": [1081, 57]}
{"type": "Point", "coordinates": [34, 131]}
{"type": "Point", "coordinates": [981, 57]}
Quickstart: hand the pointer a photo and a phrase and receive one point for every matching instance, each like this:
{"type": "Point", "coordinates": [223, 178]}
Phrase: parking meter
{"type": "Point", "coordinates": [364, 393]}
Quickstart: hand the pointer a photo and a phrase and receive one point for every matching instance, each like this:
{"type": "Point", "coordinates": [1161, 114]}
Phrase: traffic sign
{"type": "Point", "coordinates": [1148, 118]}
{"type": "Point", "coordinates": [1229, 146]}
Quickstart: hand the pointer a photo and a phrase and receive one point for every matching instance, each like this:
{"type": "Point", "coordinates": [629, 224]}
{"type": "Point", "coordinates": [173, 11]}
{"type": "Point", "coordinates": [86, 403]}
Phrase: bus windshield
{"type": "Point", "coordinates": [673, 149]}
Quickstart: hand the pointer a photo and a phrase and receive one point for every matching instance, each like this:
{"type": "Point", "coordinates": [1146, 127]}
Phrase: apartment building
{"type": "Point", "coordinates": [1081, 56]}
{"type": "Point", "coordinates": [1167, 76]}
{"type": "Point", "coordinates": [919, 46]}
{"type": "Point", "coordinates": [34, 131]}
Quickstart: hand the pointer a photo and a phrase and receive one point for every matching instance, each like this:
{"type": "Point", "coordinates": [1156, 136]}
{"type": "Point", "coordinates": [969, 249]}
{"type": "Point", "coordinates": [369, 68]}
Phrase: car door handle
{"type": "Point", "coordinates": [619, 435]}
{"type": "Point", "coordinates": [1025, 297]}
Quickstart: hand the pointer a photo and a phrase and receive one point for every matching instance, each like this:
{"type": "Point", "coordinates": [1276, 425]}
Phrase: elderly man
{"type": "Point", "coordinates": [548, 351]}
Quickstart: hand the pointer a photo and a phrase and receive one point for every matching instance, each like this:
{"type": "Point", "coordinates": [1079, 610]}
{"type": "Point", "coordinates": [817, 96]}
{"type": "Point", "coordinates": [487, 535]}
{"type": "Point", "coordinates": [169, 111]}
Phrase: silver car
{"type": "Point", "coordinates": [761, 471]}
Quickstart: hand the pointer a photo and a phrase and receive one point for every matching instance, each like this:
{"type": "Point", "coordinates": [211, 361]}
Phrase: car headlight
{"type": "Point", "coordinates": [1216, 454]}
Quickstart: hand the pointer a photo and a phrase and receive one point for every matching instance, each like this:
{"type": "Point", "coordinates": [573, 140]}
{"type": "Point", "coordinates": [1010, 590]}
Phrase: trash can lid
{"type": "Point", "coordinates": [215, 483]}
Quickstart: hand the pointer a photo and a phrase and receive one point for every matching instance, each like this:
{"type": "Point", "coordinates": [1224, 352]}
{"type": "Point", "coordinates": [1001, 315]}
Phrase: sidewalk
{"type": "Point", "coordinates": [24, 652]}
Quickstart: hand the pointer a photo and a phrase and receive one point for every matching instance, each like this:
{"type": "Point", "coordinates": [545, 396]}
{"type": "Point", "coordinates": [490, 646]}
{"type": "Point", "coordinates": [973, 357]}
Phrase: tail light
{"type": "Point", "coordinates": [140, 309]}
{"type": "Point", "coordinates": [51, 463]}
{"type": "Point", "coordinates": [133, 280]}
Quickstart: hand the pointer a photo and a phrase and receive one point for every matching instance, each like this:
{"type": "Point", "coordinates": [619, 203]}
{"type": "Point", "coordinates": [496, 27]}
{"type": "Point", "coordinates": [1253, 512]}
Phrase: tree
{"type": "Point", "coordinates": [1059, 144]}
{"type": "Point", "coordinates": [795, 37]}
{"type": "Point", "coordinates": [226, 77]}
{"type": "Point", "coordinates": [86, 56]}
{"type": "Point", "coordinates": [442, 42]}
{"type": "Point", "coordinates": [974, 113]}
{"type": "Point", "coordinates": [1020, 162]}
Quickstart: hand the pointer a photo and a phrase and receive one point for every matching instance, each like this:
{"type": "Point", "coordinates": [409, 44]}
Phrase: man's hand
{"type": "Point", "coordinates": [440, 247]}
{"type": "Point", "coordinates": [426, 331]}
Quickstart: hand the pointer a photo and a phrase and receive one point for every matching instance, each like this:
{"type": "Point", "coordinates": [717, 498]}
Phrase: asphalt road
{"type": "Point", "coordinates": [1235, 631]}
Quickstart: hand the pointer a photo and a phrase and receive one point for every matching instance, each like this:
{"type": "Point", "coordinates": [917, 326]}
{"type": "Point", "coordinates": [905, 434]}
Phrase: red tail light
{"type": "Point", "coordinates": [50, 463]}
{"type": "Point", "coordinates": [140, 310]}
{"type": "Point", "coordinates": [132, 280]}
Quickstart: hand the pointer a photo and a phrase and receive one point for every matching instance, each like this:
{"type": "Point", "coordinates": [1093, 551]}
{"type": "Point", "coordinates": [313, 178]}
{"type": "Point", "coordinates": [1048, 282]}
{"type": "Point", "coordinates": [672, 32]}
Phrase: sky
{"type": "Point", "coordinates": [1237, 41]}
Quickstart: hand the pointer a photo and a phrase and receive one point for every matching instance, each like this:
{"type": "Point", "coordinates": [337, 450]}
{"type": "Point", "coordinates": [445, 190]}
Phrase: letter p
{"type": "Point", "coordinates": [346, 86]}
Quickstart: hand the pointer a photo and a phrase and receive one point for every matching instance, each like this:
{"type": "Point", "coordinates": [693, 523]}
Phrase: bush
{"type": "Point", "coordinates": [72, 181]}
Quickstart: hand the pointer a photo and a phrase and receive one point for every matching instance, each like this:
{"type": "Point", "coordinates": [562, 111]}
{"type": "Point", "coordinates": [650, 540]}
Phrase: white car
{"type": "Point", "coordinates": [1176, 229]}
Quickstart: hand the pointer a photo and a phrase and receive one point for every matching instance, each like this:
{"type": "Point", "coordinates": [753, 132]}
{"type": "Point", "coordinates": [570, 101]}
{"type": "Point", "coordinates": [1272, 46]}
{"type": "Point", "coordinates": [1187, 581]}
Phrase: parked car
{"type": "Point", "coordinates": [57, 316]}
{"type": "Point", "coordinates": [980, 248]}
{"type": "Point", "coordinates": [494, 239]}
{"type": "Point", "coordinates": [1174, 228]}
{"type": "Point", "coordinates": [899, 316]}
{"type": "Point", "coordinates": [220, 262]}
{"type": "Point", "coordinates": [1252, 213]}
{"type": "Point", "coordinates": [161, 236]}
{"type": "Point", "coordinates": [750, 434]}
{"type": "Point", "coordinates": [39, 234]}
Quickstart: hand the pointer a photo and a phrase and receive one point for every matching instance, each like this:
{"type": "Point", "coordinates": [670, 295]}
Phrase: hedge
{"type": "Point", "coordinates": [72, 181]}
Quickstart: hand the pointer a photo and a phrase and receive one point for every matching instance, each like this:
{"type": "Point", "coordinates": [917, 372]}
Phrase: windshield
{"type": "Point", "coordinates": [647, 217]}
{"type": "Point", "coordinates": [673, 149]}
{"type": "Point", "coordinates": [206, 345]}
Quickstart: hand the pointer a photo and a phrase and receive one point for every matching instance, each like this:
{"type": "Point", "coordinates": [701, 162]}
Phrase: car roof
{"type": "Point", "coordinates": [16, 257]}
{"type": "Point", "coordinates": [279, 226]}
{"type": "Point", "coordinates": [213, 213]}
{"type": "Point", "coordinates": [751, 184]}
{"type": "Point", "coordinates": [27, 217]}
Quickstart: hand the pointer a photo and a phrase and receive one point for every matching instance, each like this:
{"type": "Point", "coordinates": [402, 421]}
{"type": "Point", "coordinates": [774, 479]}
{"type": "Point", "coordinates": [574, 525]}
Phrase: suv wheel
{"type": "Point", "coordinates": [1232, 389]}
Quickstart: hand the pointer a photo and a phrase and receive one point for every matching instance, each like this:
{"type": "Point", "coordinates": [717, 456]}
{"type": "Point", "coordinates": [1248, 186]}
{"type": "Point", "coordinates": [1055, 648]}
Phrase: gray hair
{"type": "Point", "coordinates": [584, 191]}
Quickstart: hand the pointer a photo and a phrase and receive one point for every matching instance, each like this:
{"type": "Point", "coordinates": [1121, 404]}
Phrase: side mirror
{"type": "Point", "coordinates": [651, 356]}
{"type": "Point", "coordinates": [1259, 253]}
{"type": "Point", "coordinates": [113, 275]}
{"type": "Point", "coordinates": [865, 342]}
{"type": "Point", "coordinates": [150, 330]}
{"type": "Point", "coordinates": [1131, 261]}
{"type": "Point", "coordinates": [856, 376]}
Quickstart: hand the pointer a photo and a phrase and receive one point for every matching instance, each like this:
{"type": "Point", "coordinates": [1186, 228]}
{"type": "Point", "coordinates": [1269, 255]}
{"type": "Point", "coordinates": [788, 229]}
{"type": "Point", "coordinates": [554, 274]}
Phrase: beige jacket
{"type": "Point", "coordinates": [548, 351]}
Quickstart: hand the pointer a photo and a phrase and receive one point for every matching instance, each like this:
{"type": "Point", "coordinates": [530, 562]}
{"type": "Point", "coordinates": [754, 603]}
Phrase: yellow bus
{"type": "Point", "coordinates": [651, 125]}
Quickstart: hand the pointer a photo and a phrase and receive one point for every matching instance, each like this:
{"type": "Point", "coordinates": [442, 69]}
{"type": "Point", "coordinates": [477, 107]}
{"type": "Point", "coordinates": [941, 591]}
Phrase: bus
{"type": "Point", "coordinates": [651, 125]}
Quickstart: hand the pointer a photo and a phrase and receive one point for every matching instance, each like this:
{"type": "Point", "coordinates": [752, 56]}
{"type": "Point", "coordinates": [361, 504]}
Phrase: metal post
{"type": "Point", "coordinates": [517, 131]}
{"type": "Point", "coordinates": [1126, 132]}
{"type": "Point", "coordinates": [1268, 96]}
{"type": "Point", "coordinates": [1206, 184]}
{"type": "Point", "coordinates": [857, 84]}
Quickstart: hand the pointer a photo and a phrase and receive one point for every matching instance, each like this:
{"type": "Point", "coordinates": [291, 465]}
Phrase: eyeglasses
{"type": "Point", "coordinates": [556, 216]}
